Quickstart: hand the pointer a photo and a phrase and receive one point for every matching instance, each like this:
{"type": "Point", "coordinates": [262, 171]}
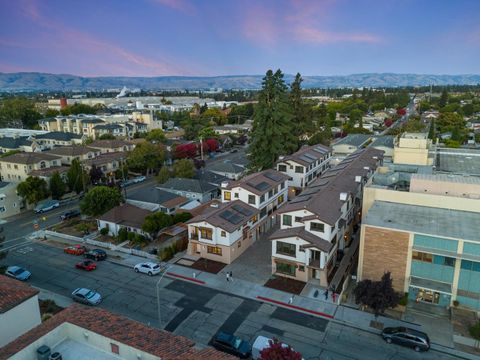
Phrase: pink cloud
{"type": "Point", "coordinates": [179, 5]}
{"type": "Point", "coordinates": [260, 27]}
{"type": "Point", "coordinates": [311, 35]}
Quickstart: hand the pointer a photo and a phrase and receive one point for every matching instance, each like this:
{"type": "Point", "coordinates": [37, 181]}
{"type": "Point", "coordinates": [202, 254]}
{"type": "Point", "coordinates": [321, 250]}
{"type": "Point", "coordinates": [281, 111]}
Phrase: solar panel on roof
{"type": "Point", "coordinates": [242, 210]}
{"type": "Point", "coordinates": [272, 176]}
{"type": "Point", "coordinates": [310, 156]}
{"type": "Point", "coordinates": [230, 217]}
{"type": "Point", "coordinates": [262, 186]}
{"type": "Point", "coordinates": [235, 219]}
{"type": "Point", "coordinates": [304, 158]}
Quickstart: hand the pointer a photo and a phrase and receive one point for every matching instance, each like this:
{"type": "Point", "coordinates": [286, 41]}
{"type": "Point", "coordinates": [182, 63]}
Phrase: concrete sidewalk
{"type": "Point", "coordinates": [312, 306]}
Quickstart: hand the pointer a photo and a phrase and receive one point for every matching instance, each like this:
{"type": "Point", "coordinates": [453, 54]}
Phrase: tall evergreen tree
{"type": "Point", "coordinates": [272, 134]}
{"type": "Point", "coordinates": [57, 186]}
{"type": "Point", "coordinates": [443, 99]}
{"type": "Point", "coordinates": [301, 119]}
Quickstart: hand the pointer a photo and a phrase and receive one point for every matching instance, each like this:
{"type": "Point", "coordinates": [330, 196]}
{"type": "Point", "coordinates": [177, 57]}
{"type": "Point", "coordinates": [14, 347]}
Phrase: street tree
{"type": "Point", "coordinates": [377, 295]}
{"type": "Point", "coordinates": [272, 133]}
{"type": "Point", "coordinates": [278, 351]}
{"type": "Point", "coordinates": [164, 174]}
{"type": "Point", "coordinates": [19, 111]}
{"type": "Point", "coordinates": [57, 186]}
{"type": "Point", "coordinates": [33, 189]}
{"type": "Point", "coordinates": [443, 99]}
{"type": "Point", "coordinates": [107, 136]}
{"type": "Point", "coordinates": [96, 174]}
{"type": "Point", "coordinates": [155, 136]}
{"type": "Point", "coordinates": [184, 168]}
{"type": "Point", "coordinates": [100, 199]}
{"type": "Point", "coordinates": [207, 133]}
{"type": "Point", "coordinates": [153, 223]}
{"type": "Point", "coordinates": [146, 157]}
{"type": "Point", "coordinates": [77, 178]}
{"type": "Point", "coordinates": [301, 117]}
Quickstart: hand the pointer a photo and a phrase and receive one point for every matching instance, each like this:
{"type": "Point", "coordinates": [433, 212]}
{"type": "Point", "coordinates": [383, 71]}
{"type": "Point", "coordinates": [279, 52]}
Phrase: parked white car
{"type": "Point", "coordinates": [149, 268]}
{"type": "Point", "coordinates": [139, 179]}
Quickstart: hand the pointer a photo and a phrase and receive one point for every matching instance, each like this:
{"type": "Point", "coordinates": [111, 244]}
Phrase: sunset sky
{"type": "Point", "coordinates": [210, 37]}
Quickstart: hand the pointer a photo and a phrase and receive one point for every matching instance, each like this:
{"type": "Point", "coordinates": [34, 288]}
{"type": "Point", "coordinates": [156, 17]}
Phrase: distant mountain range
{"type": "Point", "coordinates": [18, 82]}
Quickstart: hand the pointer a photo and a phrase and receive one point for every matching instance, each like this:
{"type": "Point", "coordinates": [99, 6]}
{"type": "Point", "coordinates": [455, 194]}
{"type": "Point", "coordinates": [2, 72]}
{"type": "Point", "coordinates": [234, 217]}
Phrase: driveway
{"type": "Point", "coordinates": [255, 264]}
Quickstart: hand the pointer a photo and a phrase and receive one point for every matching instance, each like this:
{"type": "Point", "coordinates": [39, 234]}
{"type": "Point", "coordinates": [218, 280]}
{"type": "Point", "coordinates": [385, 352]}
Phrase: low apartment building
{"type": "Point", "coordinates": [107, 146]}
{"type": "Point", "coordinates": [314, 242]}
{"type": "Point", "coordinates": [17, 167]}
{"type": "Point", "coordinates": [222, 232]}
{"type": "Point", "coordinates": [266, 191]}
{"type": "Point", "coordinates": [70, 153]}
{"type": "Point", "coordinates": [426, 235]}
{"type": "Point", "coordinates": [108, 163]}
{"type": "Point", "coordinates": [304, 166]}
{"type": "Point", "coordinates": [58, 138]}
{"type": "Point", "coordinates": [10, 203]}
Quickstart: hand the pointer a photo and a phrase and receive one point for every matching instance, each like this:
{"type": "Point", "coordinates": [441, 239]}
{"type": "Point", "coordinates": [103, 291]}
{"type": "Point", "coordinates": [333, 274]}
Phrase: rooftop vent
{"type": "Point", "coordinates": [343, 196]}
{"type": "Point", "coordinates": [214, 205]}
{"type": "Point", "coordinates": [358, 179]}
{"type": "Point", "coordinates": [224, 184]}
{"type": "Point", "coordinates": [281, 157]}
{"type": "Point", "coordinates": [366, 168]}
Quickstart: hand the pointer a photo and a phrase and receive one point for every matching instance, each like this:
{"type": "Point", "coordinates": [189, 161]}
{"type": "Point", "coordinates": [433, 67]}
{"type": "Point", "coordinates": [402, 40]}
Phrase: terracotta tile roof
{"type": "Point", "coordinates": [13, 293]}
{"type": "Point", "coordinates": [159, 343]}
{"type": "Point", "coordinates": [127, 215]}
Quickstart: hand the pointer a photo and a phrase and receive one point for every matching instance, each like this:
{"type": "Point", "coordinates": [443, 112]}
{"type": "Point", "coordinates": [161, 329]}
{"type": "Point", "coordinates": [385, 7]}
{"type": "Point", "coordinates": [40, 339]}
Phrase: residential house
{"type": "Point", "coordinates": [117, 130]}
{"type": "Point", "coordinates": [106, 146]}
{"type": "Point", "coordinates": [386, 144]}
{"type": "Point", "coordinates": [123, 216]}
{"type": "Point", "coordinates": [107, 162]}
{"type": "Point", "coordinates": [222, 232]}
{"type": "Point", "coordinates": [93, 333]}
{"type": "Point", "coordinates": [192, 189]}
{"type": "Point", "coordinates": [227, 169]}
{"type": "Point", "coordinates": [155, 199]}
{"type": "Point", "coordinates": [19, 309]}
{"type": "Point", "coordinates": [17, 167]}
{"type": "Point", "coordinates": [23, 143]}
{"type": "Point", "coordinates": [70, 153]}
{"type": "Point", "coordinates": [266, 191]}
{"type": "Point", "coordinates": [348, 145]}
{"type": "Point", "coordinates": [77, 124]}
{"type": "Point", "coordinates": [10, 203]}
{"type": "Point", "coordinates": [58, 138]}
{"type": "Point", "coordinates": [314, 242]}
{"type": "Point", "coordinates": [304, 166]}
{"type": "Point", "coordinates": [426, 235]}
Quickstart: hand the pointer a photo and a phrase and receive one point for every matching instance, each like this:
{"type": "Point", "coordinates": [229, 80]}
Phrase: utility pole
{"type": "Point", "coordinates": [201, 147]}
{"type": "Point", "coordinates": [158, 295]}
{"type": "Point", "coordinates": [123, 176]}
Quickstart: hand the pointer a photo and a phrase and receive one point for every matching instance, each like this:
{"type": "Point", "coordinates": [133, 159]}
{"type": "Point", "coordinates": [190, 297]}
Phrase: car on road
{"type": "Point", "coordinates": [233, 151]}
{"type": "Point", "coordinates": [70, 214]}
{"type": "Point", "coordinates": [415, 339]}
{"type": "Point", "coordinates": [126, 183]}
{"type": "Point", "coordinates": [47, 205]}
{"type": "Point", "coordinates": [75, 250]}
{"type": "Point", "coordinates": [86, 296]}
{"type": "Point", "coordinates": [18, 273]}
{"type": "Point", "coordinates": [149, 268]}
{"type": "Point", "coordinates": [139, 179]}
{"type": "Point", "coordinates": [95, 254]}
{"type": "Point", "coordinates": [87, 265]}
{"type": "Point", "coordinates": [231, 344]}
{"type": "Point", "coordinates": [261, 343]}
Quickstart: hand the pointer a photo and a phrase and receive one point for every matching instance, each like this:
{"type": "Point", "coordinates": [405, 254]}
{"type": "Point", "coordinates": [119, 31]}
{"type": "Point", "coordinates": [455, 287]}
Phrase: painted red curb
{"type": "Point", "coordinates": [186, 278]}
{"type": "Point", "coordinates": [295, 307]}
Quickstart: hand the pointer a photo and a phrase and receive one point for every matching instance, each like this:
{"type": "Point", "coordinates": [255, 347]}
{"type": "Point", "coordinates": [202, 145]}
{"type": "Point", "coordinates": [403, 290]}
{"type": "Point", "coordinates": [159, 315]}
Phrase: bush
{"type": "Point", "coordinates": [456, 303]}
{"type": "Point", "coordinates": [83, 228]}
{"type": "Point", "coordinates": [122, 235]}
{"type": "Point", "coordinates": [131, 236]}
{"type": "Point", "coordinates": [104, 231]}
{"type": "Point", "coordinates": [404, 300]}
{"type": "Point", "coordinates": [181, 217]}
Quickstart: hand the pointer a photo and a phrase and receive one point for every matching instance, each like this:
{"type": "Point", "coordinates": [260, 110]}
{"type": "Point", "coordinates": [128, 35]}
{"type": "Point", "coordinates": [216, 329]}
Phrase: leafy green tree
{"type": "Point", "coordinates": [181, 217]}
{"type": "Point", "coordinates": [474, 331]}
{"type": "Point", "coordinates": [214, 114]}
{"type": "Point", "coordinates": [355, 118]}
{"type": "Point", "coordinates": [57, 186]}
{"type": "Point", "coordinates": [377, 295]}
{"type": "Point", "coordinates": [431, 130]}
{"type": "Point", "coordinates": [51, 113]}
{"type": "Point", "coordinates": [33, 189]}
{"type": "Point", "coordinates": [99, 200]}
{"type": "Point", "coordinates": [207, 133]}
{"type": "Point", "coordinates": [155, 135]}
{"type": "Point", "coordinates": [272, 133]}
{"type": "Point", "coordinates": [107, 136]}
{"type": "Point", "coordinates": [301, 117]}
{"type": "Point", "coordinates": [19, 111]}
{"type": "Point", "coordinates": [155, 222]}
{"type": "Point", "coordinates": [443, 99]}
{"type": "Point", "coordinates": [76, 109]}
{"type": "Point", "coordinates": [77, 178]}
{"type": "Point", "coordinates": [146, 157]}
{"type": "Point", "coordinates": [184, 168]}
{"type": "Point", "coordinates": [164, 174]}
{"type": "Point", "coordinates": [95, 174]}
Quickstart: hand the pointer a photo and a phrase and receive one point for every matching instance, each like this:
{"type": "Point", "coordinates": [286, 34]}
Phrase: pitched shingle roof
{"type": "Point", "coordinates": [109, 144]}
{"type": "Point", "coordinates": [259, 183]}
{"type": "Point", "coordinates": [322, 196]}
{"type": "Point", "coordinates": [308, 154]}
{"type": "Point", "coordinates": [127, 215]}
{"type": "Point", "coordinates": [71, 150]}
{"type": "Point", "coordinates": [59, 135]}
{"type": "Point", "coordinates": [228, 216]}
{"type": "Point", "coordinates": [13, 293]}
{"type": "Point", "coordinates": [29, 158]}
{"type": "Point", "coordinates": [14, 143]}
{"type": "Point", "coordinates": [353, 140]}
{"type": "Point", "coordinates": [157, 196]}
{"type": "Point", "coordinates": [159, 343]}
{"type": "Point", "coordinates": [107, 158]}
{"type": "Point", "coordinates": [300, 232]}
{"type": "Point", "coordinates": [188, 185]}
{"type": "Point", "coordinates": [226, 167]}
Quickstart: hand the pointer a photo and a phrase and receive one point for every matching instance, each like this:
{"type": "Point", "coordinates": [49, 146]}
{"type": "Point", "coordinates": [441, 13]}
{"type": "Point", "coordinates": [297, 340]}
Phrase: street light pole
{"type": "Point", "coordinates": [158, 295]}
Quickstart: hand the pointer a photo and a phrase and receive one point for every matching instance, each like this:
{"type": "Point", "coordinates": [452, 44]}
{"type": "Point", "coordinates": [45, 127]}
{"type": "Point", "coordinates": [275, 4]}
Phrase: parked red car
{"type": "Point", "coordinates": [75, 250]}
{"type": "Point", "coordinates": [87, 265]}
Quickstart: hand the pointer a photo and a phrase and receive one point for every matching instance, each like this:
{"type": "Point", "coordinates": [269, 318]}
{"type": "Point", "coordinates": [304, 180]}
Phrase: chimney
{"type": "Point", "coordinates": [224, 184]}
{"type": "Point", "coordinates": [366, 168]}
{"type": "Point", "coordinates": [343, 196]}
{"type": "Point", "coordinates": [358, 179]}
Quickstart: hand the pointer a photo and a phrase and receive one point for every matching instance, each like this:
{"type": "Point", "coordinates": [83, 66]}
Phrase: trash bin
{"type": "Point", "coordinates": [43, 352]}
{"type": "Point", "coordinates": [55, 356]}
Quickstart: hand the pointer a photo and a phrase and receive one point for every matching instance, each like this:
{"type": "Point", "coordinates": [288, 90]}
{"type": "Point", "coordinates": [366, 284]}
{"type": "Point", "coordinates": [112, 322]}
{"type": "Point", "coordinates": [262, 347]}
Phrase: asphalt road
{"type": "Point", "coordinates": [198, 312]}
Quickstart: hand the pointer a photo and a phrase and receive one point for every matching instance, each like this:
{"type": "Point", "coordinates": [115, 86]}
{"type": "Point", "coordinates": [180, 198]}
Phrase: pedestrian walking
{"type": "Point", "coordinates": [228, 276]}
{"type": "Point", "coordinates": [231, 276]}
{"type": "Point", "coordinates": [334, 297]}
{"type": "Point", "coordinates": [290, 301]}
{"type": "Point", "coordinates": [326, 294]}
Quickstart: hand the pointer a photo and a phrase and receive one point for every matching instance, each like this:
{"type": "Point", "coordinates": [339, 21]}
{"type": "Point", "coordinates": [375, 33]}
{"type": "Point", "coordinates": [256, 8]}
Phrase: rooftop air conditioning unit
{"type": "Point", "coordinates": [366, 168]}
{"type": "Point", "coordinates": [358, 179]}
{"type": "Point", "coordinates": [343, 196]}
